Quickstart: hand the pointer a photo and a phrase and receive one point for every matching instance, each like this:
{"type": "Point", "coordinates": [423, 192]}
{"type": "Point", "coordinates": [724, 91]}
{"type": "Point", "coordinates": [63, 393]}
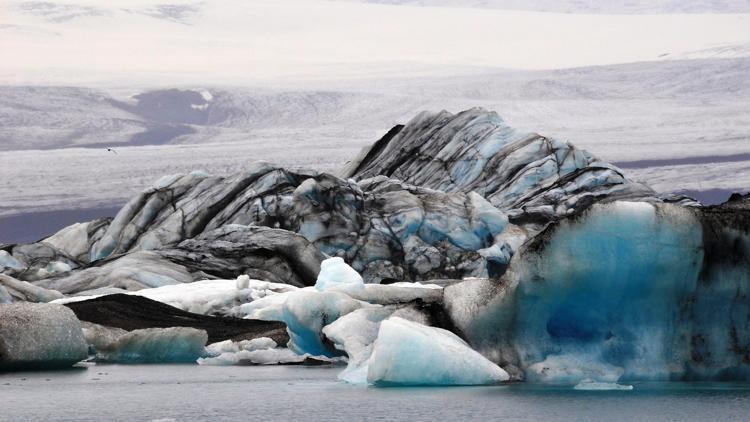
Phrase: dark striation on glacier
{"type": "Point", "coordinates": [546, 260]}
{"type": "Point", "coordinates": [130, 312]}
{"type": "Point", "coordinates": [194, 226]}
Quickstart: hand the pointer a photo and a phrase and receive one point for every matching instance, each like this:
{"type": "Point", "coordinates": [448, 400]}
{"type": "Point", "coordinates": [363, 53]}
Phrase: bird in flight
{"type": "Point", "coordinates": [111, 150]}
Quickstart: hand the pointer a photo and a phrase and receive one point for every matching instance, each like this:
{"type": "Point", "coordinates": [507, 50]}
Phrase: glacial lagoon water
{"type": "Point", "coordinates": [211, 393]}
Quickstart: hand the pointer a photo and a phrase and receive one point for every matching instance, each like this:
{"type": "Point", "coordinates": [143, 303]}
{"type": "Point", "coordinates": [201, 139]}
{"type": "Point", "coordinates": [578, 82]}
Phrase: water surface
{"type": "Point", "coordinates": [209, 393]}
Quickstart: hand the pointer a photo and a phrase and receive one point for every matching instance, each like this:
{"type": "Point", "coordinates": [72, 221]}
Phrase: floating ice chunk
{"type": "Point", "coordinates": [270, 356]}
{"type": "Point", "coordinates": [408, 353]}
{"type": "Point", "coordinates": [259, 351]}
{"type": "Point", "coordinates": [35, 336]}
{"type": "Point", "coordinates": [600, 296]}
{"type": "Point", "coordinates": [157, 345]}
{"type": "Point", "coordinates": [336, 274]}
{"type": "Point", "coordinates": [229, 346]}
{"type": "Point", "coordinates": [572, 368]}
{"type": "Point", "coordinates": [589, 384]}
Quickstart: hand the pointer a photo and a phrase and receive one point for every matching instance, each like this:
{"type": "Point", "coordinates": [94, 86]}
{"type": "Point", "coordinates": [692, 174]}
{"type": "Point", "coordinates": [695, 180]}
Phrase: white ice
{"type": "Point", "coordinates": [259, 351]}
{"type": "Point", "coordinates": [589, 384]}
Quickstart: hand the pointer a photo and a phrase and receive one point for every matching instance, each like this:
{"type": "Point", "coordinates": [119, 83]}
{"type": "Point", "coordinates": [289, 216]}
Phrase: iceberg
{"type": "Point", "coordinates": [356, 332]}
{"type": "Point", "coordinates": [230, 346]}
{"type": "Point", "coordinates": [408, 353]}
{"type": "Point", "coordinates": [258, 351]}
{"type": "Point", "coordinates": [625, 291]}
{"type": "Point", "coordinates": [611, 289]}
{"type": "Point", "coordinates": [39, 336]}
{"type": "Point", "coordinates": [156, 345]}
